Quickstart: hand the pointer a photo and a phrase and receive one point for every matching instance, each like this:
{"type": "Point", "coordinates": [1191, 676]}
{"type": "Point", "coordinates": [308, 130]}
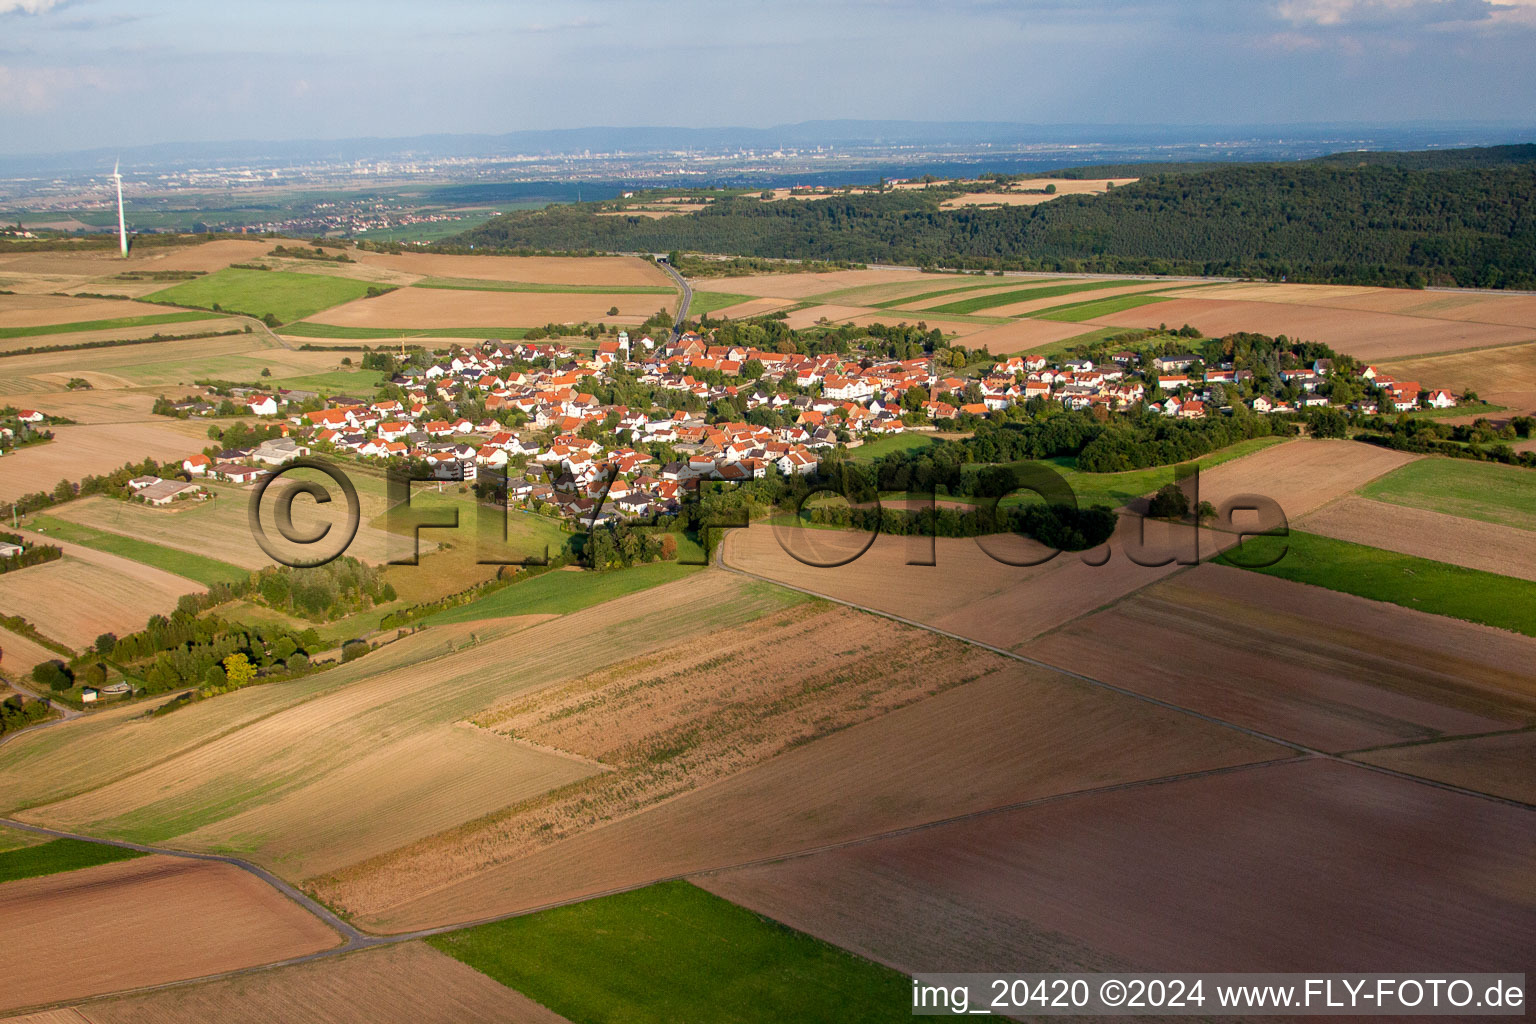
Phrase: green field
{"type": "Point", "coordinates": [927, 296]}
{"type": "Point", "coordinates": [709, 302]}
{"type": "Point", "coordinates": [309, 330]}
{"type": "Point", "coordinates": [105, 325]}
{"type": "Point", "coordinates": [888, 443]}
{"type": "Point", "coordinates": [671, 953]}
{"type": "Point", "coordinates": [200, 568]}
{"type": "Point", "coordinates": [352, 382]}
{"type": "Point", "coordinates": [1485, 491]}
{"type": "Point", "coordinates": [1075, 312]}
{"type": "Point", "coordinates": [286, 295]}
{"type": "Point", "coordinates": [561, 592]}
{"type": "Point", "coordinates": [994, 299]}
{"type": "Point", "coordinates": [475, 284]}
{"type": "Point", "coordinates": [1419, 583]}
{"type": "Point", "coordinates": [58, 855]}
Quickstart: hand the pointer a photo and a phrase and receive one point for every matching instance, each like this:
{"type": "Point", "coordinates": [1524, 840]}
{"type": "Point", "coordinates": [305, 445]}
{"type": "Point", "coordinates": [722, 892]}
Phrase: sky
{"type": "Point", "coordinates": [78, 74]}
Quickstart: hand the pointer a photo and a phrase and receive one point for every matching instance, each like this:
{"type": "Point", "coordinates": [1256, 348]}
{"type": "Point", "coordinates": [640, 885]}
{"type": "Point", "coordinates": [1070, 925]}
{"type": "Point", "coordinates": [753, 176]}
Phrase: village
{"type": "Point", "coordinates": [565, 453]}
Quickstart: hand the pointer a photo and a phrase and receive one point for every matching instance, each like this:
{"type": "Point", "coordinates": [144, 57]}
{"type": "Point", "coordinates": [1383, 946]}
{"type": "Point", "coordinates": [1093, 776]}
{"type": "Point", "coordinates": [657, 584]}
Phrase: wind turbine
{"type": "Point", "coordinates": [122, 228]}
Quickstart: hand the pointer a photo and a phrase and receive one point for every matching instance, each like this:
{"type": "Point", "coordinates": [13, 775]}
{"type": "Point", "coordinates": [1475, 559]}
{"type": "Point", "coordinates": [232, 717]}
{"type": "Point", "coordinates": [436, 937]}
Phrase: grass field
{"type": "Point", "coordinates": [475, 284]}
{"type": "Point", "coordinates": [559, 593]}
{"type": "Point", "coordinates": [287, 296]}
{"type": "Point", "coordinates": [991, 300]}
{"type": "Point", "coordinates": [673, 952]}
{"type": "Point", "coordinates": [58, 855]}
{"type": "Point", "coordinates": [117, 323]}
{"type": "Point", "coordinates": [1470, 594]}
{"type": "Point", "coordinates": [308, 330]}
{"type": "Point", "coordinates": [885, 445]}
{"type": "Point", "coordinates": [1485, 491]}
{"type": "Point", "coordinates": [1075, 312]}
{"type": "Point", "coordinates": [352, 382]}
{"type": "Point", "coordinates": [200, 568]}
{"type": "Point", "coordinates": [709, 302]}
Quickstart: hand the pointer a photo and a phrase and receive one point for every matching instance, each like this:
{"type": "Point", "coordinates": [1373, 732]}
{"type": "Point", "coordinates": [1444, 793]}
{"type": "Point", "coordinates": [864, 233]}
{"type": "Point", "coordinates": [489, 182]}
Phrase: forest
{"type": "Point", "coordinates": [1423, 219]}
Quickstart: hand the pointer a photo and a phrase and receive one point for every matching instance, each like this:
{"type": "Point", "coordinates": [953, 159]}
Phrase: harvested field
{"type": "Point", "coordinates": [408, 981]}
{"type": "Point", "coordinates": [221, 525]}
{"type": "Point", "coordinates": [442, 308]}
{"type": "Point", "coordinates": [87, 449]}
{"type": "Point", "coordinates": [616, 270]}
{"type": "Point", "coordinates": [1490, 371]}
{"type": "Point", "coordinates": [18, 654]}
{"type": "Point", "coordinates": [86, 593]}
{"type": "Point", "coordinates": [806, 286]}
{"type": "Point", "coordinates": [1315, 667]}
{"type": "Point", "coordinates": [1014, 734]}
{"type": "Point", "coordinates": [131, 359]}
{"type": "Point", "coordinates": [1513, 309]}
{"type": "Point", "coordinates": [1283, 867]}
{"type": "Point", "coordinates": [1365, 335]}
{"type": "Point", "coordinates": [85, 357]}
{"type": "Point", "coordinates": [1300, 475]}
{"type": "Point", "coordinates": [1433, 535]}
{"type": "Point", "coordinates": [144, 922]}
{"type": "Point", "coordinates": [750, 308]}
{"type": "Point", "coordinates": [1064, 187]}
{"type": "Point", "coordinates": [802, 318]}
{"type": "Point", "coordinates": [1022, 336]}
{"type": "Point", "coordinates": [1501, 765]}
{"type": "Point", "coordinates": [43, 310]}
{"type": "Point", "coordinates": [289, 774]}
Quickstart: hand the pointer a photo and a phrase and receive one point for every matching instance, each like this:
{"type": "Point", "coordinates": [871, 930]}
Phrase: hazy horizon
{"type": "Point", "coordinates": [90, 74]}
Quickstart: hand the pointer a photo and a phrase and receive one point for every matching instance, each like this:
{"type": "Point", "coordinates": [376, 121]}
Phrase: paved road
{"type": "Point", "coordinates": [682, 309]}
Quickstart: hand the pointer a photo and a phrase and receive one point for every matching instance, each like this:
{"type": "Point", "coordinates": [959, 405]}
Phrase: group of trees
{"type": "Point", "coordinates": [330, 591]}
{"type": "Point", "coordinates": [1380, 224]}
{"type": "Point", "coordinates": [16, 713]}
{"type": "Point", "coordinates": [31, 554]}
{"type": "Point", "coordinates": [1056, 525]}
{"type": "Point", "coordinates": [622, 544]}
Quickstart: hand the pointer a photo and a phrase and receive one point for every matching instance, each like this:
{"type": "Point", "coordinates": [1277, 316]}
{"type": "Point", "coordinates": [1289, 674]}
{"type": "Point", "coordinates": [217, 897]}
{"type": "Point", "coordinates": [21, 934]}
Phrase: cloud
{"type": "Point", "coordinates": [27, 6]}
{"type": "Point", "coordinates": [1382, 13]}
{"type": "Point", "coordinates": [33, 90]}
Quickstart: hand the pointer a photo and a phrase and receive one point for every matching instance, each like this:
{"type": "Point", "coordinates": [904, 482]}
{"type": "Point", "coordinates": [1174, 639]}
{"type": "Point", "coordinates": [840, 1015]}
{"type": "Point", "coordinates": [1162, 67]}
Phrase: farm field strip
{"type": "Point", "coordinates": [195, 567]}
{"type": "Point", "coordinates": [1077, 312]}
{"type": "Point", "coordinates": [480, 284]}
{"type": "Point", "coordinates": [913, 300]}
{"type": "Point", "coordinates": [408, 980]}
{"type": "Point", "coordinates": [444, 308]}
{"type": "Point", "coordinates": [1485, 492]}
{"type": "Point", "coordinates": [284, 294]}
{"type": "Point", "coordinates": [1329, 671]}
{"type": "Point", "coordinates": [182, 919]}
{"type": "Point", "coordinates": [1352, 868]}
{"type": "Point", "coordinates": [1474, 544]}
{"type": "Point", "coordinates": [305, 329]}
{"type": "Point", "coordinates": [1474, 595]}
{"type": "Point", "coordinates": [1013, 733]}
{"type": "Point", "coordinates": [150, 320]}
{"type": "Point", "coordinates": [994, 299]}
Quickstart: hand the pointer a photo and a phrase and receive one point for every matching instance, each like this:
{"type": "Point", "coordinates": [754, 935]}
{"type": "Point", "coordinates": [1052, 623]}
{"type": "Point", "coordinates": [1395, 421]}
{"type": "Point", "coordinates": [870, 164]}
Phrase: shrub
{"type": "Point", "coordinates": [1169, 503]}
{"type": "Point", "coordinates": [53, 674]}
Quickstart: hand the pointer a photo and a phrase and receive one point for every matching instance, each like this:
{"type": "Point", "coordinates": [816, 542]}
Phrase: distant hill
{"type": "Point", "coordinates": [1449, 217]}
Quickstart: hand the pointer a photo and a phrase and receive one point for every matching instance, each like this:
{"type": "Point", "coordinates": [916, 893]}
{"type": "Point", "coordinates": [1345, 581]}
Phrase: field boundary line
{"type": "Point", "coordinates": [1144, 698]}
{"type": "Point", "coordinates": [1446, 738]}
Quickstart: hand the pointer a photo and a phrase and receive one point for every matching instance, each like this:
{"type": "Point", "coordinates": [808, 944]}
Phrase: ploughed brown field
{"type": "Point", "coordinates": [1013, 733]}
{"type": "Point", "coordinates": [1021, 336]}
{"type": "Point", "coordinates": [447, 307]}
{"type": "Point", "coordinates": [1433, 535]}
{"type": "Point", "coordinates": [144, 922]}
{"type": "Point", "coordinates": [1364, 334]}
{"type": "Point", "coordinates": [971, 593]}
{"type": "Point", "coordinates": [1501, 765]}
{"type": "Point", "coordinates": [1328, 670]}
{"type": "Point", "coordinates": [1502, 376]}
{"type": "Point", "coordinates": [1272, 868]}
{"type": "Point", "coordinates": [1515, 309]}
{"type": "Point", "coordinates": [411, 981]}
